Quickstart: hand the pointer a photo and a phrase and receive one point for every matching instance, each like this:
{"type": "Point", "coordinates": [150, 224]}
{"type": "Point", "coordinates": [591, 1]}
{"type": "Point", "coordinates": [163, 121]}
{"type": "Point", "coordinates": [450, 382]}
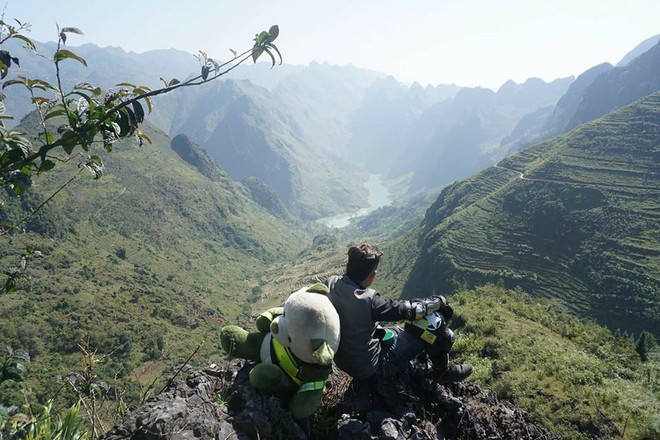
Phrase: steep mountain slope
{"type": "Point", "coordinates": [574, 219]}
{"type": "Point", "coordinates": [130, 263]}
{"type": "Point", "coordinates": [246, 130]}
{"type": "Point", "coordinates": [597, 91]}
{"type": "Point", "coordinates": [463, 136]}
{"type": "Point", "coordinates": [322, 98]}
{"type": "Point", "coordinates": [380, 126]}
{"type": "Point", "coordinates": [619, 87]}
{"type": "Point", "coordinates": [537, 127]}
{"type": "Point", "coordinates": [638, 50]}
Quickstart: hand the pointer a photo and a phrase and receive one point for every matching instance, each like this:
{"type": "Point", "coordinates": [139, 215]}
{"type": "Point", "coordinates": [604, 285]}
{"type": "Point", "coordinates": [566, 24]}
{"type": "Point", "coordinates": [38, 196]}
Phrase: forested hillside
{"type": "Point", "coordinates": [573, 219]}
{"type": "Point", "coordinates": [144, 263]}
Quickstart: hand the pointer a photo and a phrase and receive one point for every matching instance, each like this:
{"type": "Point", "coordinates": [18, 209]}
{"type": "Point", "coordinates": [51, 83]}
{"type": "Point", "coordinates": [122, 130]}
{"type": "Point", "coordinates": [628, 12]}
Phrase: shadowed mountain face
{"type": "Point", "coordinates": [380, 127]}
{"type": "Point", "coordinates": [455, 139]}
{"type": "Point", "coordinates": [247, 130]}
{"type": "Point", "coordinates": [573, 219]}
{"type": "Point", "coordinates": [597, 91]}
{"type": "Point", "coordinates": [638, 50]}
{"type": "Point", "coordinates": [619, 87]}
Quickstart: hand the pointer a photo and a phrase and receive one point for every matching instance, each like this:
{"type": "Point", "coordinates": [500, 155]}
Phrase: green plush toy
{"type": "Point", "coordinates": [294, 344]}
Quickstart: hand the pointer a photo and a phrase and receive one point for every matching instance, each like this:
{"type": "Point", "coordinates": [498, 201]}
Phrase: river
{"type": "Point", "coordinates": [378, 196]}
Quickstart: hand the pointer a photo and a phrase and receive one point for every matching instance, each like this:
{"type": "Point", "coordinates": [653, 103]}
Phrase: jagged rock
{"type": "Point", "coordinates": [185, 410]}
{"type": "Point", "coordinates": [410, 406]}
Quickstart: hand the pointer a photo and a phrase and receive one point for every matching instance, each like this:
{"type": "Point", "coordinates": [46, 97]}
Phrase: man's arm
{"type": "Point", "coordinates": [406, 309]}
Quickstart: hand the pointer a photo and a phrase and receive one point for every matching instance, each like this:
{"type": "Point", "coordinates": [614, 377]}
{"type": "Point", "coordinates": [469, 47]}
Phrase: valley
{"type": "Point", "coordinates": [378, 196]}
{"type": "Point", "coordinates": [535, 208]}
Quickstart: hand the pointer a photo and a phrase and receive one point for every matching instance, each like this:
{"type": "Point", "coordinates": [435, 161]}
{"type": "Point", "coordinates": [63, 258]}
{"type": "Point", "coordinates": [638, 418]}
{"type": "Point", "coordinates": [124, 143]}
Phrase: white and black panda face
{"type": "Point", "coordinates": [309, 324]}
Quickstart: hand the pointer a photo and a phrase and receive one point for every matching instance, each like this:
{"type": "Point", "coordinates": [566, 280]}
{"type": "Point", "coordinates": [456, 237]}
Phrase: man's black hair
{"type": "Point", "coordinates": [362, 260]}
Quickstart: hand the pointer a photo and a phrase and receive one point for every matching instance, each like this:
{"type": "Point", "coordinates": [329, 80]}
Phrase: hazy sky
{"type": "Point", "coordinates": [466, 42]}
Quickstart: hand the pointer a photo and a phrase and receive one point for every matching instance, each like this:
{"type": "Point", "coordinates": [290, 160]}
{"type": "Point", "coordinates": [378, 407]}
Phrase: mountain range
{"type": "Point", "coordinates": [547, 187]}
{"type": "Point", "coordinates": [304, 130]}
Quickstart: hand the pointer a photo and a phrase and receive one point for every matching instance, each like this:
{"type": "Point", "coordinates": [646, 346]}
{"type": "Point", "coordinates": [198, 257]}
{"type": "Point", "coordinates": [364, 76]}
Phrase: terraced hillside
{"type": "Point", "coordinates": [575, 219]}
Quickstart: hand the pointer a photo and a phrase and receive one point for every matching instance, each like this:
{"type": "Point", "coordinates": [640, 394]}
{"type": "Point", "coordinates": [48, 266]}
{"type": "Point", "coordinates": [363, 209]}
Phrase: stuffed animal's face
{"type": "Point", "coordinates": [309, 326]}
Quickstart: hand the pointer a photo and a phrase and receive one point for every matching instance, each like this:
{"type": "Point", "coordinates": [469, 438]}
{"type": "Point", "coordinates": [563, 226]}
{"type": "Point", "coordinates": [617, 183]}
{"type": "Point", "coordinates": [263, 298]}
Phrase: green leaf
{"type": "Point", "coordinates": [256, 53]}
{"type": "Point", "coordinates": [10, 284]}
{"type": "Point", "coordinates": [69, 141]}
{"type": "Point", "coordinates": [95, 166]}
{"type": "Point", "coordinates": [49, 138]}
{"type": "Point", "coordinates": [26, 40]}
{"type": "Point", "coordinates": [4, 416]}
{"type": "Point", "coordinates": [139, 112]}
{"type": "Point", "coordinates": [12, 82]}
{"type": "Point", "coordinates": [5, 58]}
{"type": "Point", "coordinates": [126, 84]}
{"type": "Point", "coordinates": [149, 103]}
{"type": "Point", "coordinates": [40, 84]}
{"type": "Point", "coordinates": [63, 54]}
{"type": "Point", "coordinates": [46, 165]}
{"type": "Point", "coordinates": [272, 46]}
{"type": "Point", "coordinates": [15, 371]}
{"type": "Point", "coordinates": [274, 31]}
{"type": "Point", "coordinates": [141, 90]}
{"type": "Point", "coordinates": [84, 86]}
{"type": "Point", "coordinates": [272, 58]}
{"type": "Point", "coordinates": [124, 123]}
{"type": "Point", "coordinates": [259, 40]}
{"type": "Point", "coordinates": [73, 30]}
{"type": "Point", "coordinates": [132, 120]}
{"type": "Point", "coordinates": [55, 113]}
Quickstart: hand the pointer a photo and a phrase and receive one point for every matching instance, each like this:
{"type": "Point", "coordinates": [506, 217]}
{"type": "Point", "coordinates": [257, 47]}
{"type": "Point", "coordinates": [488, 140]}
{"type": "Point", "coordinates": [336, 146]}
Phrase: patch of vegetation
{"type": "Point", "coordinates": [577, 378]}
{"type": "Point", "coordinates": [139, 267]}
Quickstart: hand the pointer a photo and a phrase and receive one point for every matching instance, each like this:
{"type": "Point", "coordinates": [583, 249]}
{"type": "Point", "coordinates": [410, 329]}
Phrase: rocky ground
{"type": "Point", "coordinates": [221, 404]}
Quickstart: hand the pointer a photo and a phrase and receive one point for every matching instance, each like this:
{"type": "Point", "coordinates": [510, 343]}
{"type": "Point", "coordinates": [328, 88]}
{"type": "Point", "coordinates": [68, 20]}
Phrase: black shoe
{"type": "Point", "coordinates": [357, 399]}
{"type": "Point", "coordinates": [455, 373]}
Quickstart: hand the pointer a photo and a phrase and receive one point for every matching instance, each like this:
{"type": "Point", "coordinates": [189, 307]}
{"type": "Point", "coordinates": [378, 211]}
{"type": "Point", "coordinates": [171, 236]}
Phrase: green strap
{"type": "Point", "coordinates": [286, 362]}
{"type": "Point", "coordinates": [312, 386]}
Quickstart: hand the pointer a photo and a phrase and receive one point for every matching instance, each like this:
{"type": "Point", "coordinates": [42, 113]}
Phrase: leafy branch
{"type": "Point", "coordinates": [92, 115]}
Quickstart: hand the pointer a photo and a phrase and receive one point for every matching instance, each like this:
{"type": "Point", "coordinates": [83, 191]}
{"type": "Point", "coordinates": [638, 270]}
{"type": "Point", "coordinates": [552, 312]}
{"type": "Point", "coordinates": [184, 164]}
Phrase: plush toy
{"type": "Point", "coordinates": [294, 344]}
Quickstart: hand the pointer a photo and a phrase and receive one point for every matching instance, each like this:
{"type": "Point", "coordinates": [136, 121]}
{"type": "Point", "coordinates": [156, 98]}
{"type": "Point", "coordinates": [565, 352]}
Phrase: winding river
{"type": "Point", "coordinates": [378, 196]}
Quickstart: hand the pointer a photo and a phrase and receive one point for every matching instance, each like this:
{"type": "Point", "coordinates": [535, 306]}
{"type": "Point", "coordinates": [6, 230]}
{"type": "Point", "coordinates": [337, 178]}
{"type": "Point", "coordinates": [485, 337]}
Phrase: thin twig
{"type": "Point", "coordinates": [34, 211]}
{"type": "Point", "coordinates": [191, 82]}
{"type": "Point", "coordinates": [169, 382]}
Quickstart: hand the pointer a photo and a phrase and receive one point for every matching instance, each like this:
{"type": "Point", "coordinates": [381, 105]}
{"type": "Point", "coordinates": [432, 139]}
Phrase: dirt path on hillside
{"type": "Point", "coordinates": [577, 182]}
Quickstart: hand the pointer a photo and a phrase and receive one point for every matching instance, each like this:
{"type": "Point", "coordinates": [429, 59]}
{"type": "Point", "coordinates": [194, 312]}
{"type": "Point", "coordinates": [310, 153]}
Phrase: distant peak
{"type": "Point", "coordinates": [510, 84]}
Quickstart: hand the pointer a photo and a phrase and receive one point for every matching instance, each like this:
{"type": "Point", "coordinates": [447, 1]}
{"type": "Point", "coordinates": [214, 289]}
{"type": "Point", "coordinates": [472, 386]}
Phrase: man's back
{"type": "Point", "coordinates": [358, 349]}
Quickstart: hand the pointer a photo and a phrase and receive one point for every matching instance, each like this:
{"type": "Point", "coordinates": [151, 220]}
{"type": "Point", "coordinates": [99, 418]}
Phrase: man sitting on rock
{"type": "Point", "coordinates": [367, 351]}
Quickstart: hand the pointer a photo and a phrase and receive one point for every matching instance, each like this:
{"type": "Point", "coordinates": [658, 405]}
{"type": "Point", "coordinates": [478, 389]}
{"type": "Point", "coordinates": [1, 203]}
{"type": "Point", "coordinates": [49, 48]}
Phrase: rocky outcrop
{"type": "Point", "coordinates": [221, 404]}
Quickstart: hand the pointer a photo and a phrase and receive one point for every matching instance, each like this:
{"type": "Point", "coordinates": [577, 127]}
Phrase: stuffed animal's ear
{"type": "Point", "coordinates": [264, 320]}
{"type": "Point", "coordinates": [323, 353]}
{"type": "Point", "coordinates": [319, 288]}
